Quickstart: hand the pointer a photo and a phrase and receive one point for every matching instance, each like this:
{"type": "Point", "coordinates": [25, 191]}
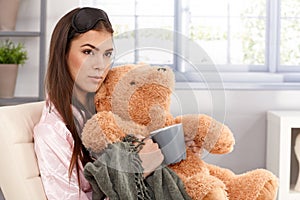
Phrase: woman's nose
{"type": "Point", "coordinates": [99, 63]}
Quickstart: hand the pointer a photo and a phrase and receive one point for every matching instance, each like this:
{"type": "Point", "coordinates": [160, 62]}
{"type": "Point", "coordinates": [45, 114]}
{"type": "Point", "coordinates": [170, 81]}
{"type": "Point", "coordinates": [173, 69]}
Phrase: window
{"type": "Point", "coordinates": [250, 41]}
{"type": "Point", "coordinates": [289, 34]}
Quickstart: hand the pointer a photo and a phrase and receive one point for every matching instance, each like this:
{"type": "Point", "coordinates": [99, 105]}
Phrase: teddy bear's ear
{"type": "Point", "coordinates": [102, 102]}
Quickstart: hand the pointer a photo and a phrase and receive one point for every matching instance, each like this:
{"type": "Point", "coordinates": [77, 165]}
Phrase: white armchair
{"type": "Point", "coordinates": [19, 172]}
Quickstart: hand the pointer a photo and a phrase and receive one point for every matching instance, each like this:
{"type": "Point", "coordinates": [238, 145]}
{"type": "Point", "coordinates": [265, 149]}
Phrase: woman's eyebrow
{"type": "Point", "coordinates": [111, 49]}
{"type": "Point", "coordinates": [89, 45]}
{"type": "Point", "coordinates": [97, 49]}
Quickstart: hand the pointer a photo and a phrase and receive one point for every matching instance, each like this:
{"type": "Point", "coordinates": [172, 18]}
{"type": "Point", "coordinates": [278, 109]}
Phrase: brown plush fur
{"type": "Point", "coordinates": [135, 99]}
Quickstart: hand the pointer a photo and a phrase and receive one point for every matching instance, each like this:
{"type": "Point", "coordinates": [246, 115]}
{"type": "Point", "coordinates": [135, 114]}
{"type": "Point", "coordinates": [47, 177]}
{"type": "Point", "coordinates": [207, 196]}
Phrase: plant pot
{"type": "Point", "coordinates": [8, 14]}
{"type": "Point", "coordinates": [8, 78]}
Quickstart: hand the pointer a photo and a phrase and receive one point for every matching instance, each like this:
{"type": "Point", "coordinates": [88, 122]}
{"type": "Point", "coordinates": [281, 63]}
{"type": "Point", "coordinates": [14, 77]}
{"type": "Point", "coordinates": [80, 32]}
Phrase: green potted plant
{"type": "Point", "coordinates": [11, 56]}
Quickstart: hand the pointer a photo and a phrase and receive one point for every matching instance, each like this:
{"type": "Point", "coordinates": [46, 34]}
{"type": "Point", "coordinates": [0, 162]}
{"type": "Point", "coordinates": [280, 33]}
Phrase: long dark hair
{"type": "Point", "coordinates": [59, 85]}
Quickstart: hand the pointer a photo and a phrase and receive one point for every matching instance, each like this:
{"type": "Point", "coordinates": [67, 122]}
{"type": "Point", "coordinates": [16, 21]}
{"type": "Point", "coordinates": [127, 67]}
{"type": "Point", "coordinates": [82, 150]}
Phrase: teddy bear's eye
{"type": "Point", "coordinates": [162, 69]}
{"type": "Point", "coordinates": [132, 83]}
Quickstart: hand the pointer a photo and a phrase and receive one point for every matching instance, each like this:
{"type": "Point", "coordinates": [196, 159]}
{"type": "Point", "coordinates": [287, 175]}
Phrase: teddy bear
{"type": "Point", "coordinates": [135, 99]}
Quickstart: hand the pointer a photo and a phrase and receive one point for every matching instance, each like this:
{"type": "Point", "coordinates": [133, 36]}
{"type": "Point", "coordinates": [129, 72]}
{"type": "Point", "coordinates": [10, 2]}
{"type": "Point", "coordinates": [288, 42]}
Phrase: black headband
{"type": "Point", "coordinates": [86, 19]}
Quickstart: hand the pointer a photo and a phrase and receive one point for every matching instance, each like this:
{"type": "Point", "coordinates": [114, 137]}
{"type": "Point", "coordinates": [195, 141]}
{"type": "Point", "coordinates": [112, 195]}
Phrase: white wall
{"type": "Point", "coordinates": [246, 117]}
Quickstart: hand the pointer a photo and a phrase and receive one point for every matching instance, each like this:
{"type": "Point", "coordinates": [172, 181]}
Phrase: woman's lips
{"type": "Point", "coordinates": [95, 78]}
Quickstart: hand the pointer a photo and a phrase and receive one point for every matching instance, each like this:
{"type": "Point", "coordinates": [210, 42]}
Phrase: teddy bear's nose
{"type": "Point", "coordinates": [161, 69]}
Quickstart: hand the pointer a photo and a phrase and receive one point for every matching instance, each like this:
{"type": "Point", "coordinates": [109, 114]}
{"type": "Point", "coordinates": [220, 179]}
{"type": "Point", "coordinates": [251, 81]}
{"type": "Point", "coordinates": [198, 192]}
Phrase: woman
{"type": "Point", "coordinates": [81, 53]}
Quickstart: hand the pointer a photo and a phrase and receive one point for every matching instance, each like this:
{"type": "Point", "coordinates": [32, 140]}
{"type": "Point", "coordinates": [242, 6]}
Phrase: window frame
{"type": "Point", "coordinates": [243, 76]}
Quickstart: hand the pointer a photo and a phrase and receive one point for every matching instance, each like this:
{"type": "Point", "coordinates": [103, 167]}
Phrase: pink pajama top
{"type": "Point", "coordinates": [53, 145]}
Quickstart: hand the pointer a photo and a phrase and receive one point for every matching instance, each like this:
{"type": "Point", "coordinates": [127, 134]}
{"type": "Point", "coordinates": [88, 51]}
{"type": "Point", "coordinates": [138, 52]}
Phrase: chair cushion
{"type": "Point", "coordinates": [19, 172]}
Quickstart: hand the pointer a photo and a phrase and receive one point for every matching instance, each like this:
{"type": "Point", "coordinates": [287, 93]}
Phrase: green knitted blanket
{"type": "Point", "coordinates": [118, 174]}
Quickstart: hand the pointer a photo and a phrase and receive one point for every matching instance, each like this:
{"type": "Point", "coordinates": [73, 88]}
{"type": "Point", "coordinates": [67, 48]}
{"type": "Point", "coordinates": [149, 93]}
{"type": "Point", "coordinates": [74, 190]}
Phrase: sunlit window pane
{"type": "Point", "coordinates": [247, 41]}
{"type": "Point", "coordinates": [290, 33]}
{"type": "Point", "coordinates": [153, 46]}
{"type": "Point", "coordinates": [232, 32]}
{"type": "Point", "coordinates": [156, 22]}
{"type": "Point", "coordinates": [248, 8]}
{"type": "Point", "coordinates": [211, 35]}
{"type": "Point", "coordinates": [122, 24]}
{"type": "Point", "coordinates": [290, 8]}
{"type": "Point", "coordinates": [116, 7]}
{"type": "Point", "coordinates": [156, 56]}
{"type": "Point", "coordinates": [155, 7]}
{"type": "Point", "coordinates": [157, 37]}
{"type": "Point", "coordinates": [125, 47]}
{"type": "Point", "coordinates": [210, 8]}
{"type": "Point", "coordinates": [130, 16]}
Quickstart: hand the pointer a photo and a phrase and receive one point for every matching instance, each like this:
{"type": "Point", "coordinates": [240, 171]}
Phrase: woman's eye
{"type": "Point", "coordinates": [88, 52]}
{"type": "Point", "coordinates": [108, 54]}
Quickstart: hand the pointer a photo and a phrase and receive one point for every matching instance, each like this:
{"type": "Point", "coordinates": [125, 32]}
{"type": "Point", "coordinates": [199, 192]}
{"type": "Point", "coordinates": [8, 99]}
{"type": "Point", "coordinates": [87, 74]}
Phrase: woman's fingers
{"type": "Point", "coordinates": [151, 156]}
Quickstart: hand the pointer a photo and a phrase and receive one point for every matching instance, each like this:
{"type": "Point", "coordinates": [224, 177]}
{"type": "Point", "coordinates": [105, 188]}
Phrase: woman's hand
{"type": "Point", "coordinates": [151, 156]}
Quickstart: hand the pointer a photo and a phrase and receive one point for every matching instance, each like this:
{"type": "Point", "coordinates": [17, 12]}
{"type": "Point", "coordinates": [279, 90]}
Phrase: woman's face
{"type": "Point", "coordinates": [89, 60]}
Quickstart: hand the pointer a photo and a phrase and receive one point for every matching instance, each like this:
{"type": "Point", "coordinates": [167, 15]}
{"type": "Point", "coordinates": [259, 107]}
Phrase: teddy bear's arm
{"type": "Point", "coordinates": [105, 128]}
{"type": "Point", "coordinates": [206, 132]}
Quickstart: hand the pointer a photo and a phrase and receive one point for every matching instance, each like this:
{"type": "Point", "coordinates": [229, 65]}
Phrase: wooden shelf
{"type": "Point", "coordinates": [41, 35]}
{"type": "Point", "coordinates": [17, 100]}
{"type": "Point", "coordinates": [19, 34]}
{"type": "Point", "coordinates": [280, 139]}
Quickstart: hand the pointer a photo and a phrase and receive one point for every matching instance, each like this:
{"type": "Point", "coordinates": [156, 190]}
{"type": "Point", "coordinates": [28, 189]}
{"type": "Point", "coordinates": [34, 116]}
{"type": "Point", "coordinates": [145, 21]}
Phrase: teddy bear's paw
{"type": "Point", "coordinates": [222, 147]}
{"type": "Point", "coordinates": [269, 192]}
{"type": "Point", "coordinates": [203, 186]}
{"type": "Point", "coordinates": [220, 139]}
{"type": "Point", "coordinates": [259, 184]}
{"type": "Point", "coordinates": [93, 137]}
{"type": "Point", "coordinates": [216, 194]}
{"type": "Point", "coordinates": [101, 130]}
